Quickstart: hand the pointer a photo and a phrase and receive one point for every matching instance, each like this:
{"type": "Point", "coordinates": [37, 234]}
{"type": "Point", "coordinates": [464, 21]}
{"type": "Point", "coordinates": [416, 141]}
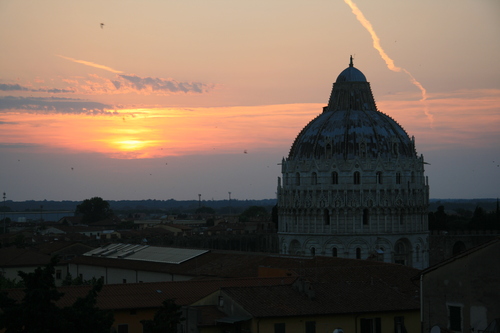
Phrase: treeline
{"type": "Point", "coordinates": [170, 206]}
{"type": "Point", "coordinates": [465, 219]}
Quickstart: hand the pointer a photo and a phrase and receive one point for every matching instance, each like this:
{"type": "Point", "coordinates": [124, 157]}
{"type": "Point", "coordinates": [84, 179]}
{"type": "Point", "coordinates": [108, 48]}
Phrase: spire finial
{"type": "Point", "coordinates": [350, 63]}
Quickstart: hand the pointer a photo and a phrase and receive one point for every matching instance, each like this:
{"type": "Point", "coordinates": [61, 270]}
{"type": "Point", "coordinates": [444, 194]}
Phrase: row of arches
{"type": "Point", "coordinates": [379, 178]}
{"type": "Point", "coordinates": [360, 149]}
{"type": "Point", "coordinates": [402, 251]}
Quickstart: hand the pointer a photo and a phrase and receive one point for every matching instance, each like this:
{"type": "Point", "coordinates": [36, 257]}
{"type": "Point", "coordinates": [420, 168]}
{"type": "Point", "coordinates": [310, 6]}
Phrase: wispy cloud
{"type": "Point", "coordinates": [91, 64]}
{"type": "Point", "coordinates": [18, 87]}
{"type": "Point", "coordinates": [54, 105]}
{"type": "Point", "coordinates": [126, 83]}
{"type": "Point", "coordinates": [160, 85]}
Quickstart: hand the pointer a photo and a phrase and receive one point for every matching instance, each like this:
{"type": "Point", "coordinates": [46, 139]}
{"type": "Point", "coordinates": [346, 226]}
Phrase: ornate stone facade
{"type": "Point", "coordinates": [353, 185]}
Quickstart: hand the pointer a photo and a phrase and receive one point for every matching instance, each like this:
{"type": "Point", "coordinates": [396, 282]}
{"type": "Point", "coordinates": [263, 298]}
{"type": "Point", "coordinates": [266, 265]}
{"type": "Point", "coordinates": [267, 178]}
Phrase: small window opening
{"type": "Point", "coordinates": [335, 178]}
{"type": "Point", "coordinates": [314, 178]}
{"type": "Point", "coordinates": [326, 216]}
{"type": "Point", "coordinates": [328, 151]}
{"type": "Point", "coordinates": [366, 216]}
{"type": "Point", "coordinates": [358, 253]}
{"type": "Point", "coordinates": [357, 178]}
{"type": "Point", "coordinates": [455, 318]}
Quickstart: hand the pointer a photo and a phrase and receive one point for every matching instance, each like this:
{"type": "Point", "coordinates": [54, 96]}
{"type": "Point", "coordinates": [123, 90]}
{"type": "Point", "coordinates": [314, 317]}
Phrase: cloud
{"type": "Point", "coordinates": [91, 64]}
{"type": "Point", "coordinates": [54, 105]}
{"type": "Point", "coordinates": [159, 85]}
{"type": "Point", "coordinates": [12, 87]}
{"type": "Point", "coordinates": [17, 145]}
{"type": "Point", "coordinates": [126, 83]}
{"type": "Point", "coordinates": [17, 87]}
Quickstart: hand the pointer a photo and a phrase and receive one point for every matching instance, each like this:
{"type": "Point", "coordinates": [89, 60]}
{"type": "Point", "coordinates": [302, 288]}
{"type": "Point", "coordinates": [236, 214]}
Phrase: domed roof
{"type": "Point", "coordinates": [351, 126]}
{"type": "Point", "coordinates": [351, 74]}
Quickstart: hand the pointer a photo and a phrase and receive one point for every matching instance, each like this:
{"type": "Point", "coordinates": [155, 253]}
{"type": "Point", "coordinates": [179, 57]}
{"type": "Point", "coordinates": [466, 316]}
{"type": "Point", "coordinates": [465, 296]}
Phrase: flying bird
{"type": "Point", "coordinates": [102, 25]}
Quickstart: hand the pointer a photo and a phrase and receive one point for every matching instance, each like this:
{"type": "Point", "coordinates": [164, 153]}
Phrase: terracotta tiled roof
{"type": "Point", "coordinates": [151, 295]}
{"type": "Point", "coordinates": [224, 226]}
{"type": "Point", "coordinates": [16, 257]}
{"type": "Point", "coordinates": [179, 226]}
{"type": "Point", "coordinates": [344, 293]}
{"type": "Point", "coordinates": [58, 246]}
{"type": "Point", "coordinates": [71, 219]}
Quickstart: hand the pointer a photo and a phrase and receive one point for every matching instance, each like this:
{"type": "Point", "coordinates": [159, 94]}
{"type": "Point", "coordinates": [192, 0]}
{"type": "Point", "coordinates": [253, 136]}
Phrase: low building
{"type": "Point", "coordinates": [133, 303]}
{"type": "Point", "coordinates": [462, 293]}
{"type": "Point", "coordinates": [13, 260]}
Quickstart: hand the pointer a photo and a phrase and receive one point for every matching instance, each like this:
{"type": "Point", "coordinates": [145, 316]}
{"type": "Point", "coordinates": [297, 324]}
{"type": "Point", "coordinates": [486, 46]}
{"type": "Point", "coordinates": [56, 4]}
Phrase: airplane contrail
{"type": "Point", "coordinates": [389, 62]}
{"type": "Point", "coordinates": [91, 64]}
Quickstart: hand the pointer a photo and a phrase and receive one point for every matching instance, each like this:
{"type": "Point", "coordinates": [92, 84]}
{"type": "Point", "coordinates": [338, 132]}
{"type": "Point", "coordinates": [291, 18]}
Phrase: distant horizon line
{"type": "Point", "coordinates": [211, 200]}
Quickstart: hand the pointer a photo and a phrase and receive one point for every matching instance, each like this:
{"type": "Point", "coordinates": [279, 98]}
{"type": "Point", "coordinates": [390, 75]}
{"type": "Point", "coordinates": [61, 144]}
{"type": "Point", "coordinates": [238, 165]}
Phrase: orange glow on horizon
{"type": "Point", "coordinates": [471, 119]}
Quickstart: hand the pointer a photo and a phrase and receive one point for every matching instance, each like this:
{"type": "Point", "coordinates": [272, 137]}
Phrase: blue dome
{"type": "Point", "coordinates": [351, 74]}
{"type": "Point", "coordinates": [351, 125]}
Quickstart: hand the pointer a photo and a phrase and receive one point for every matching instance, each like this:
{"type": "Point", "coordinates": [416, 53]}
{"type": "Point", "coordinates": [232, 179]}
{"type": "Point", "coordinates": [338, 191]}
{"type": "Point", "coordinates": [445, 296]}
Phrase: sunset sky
{"type": "Point", "coordinates": [170, 99]}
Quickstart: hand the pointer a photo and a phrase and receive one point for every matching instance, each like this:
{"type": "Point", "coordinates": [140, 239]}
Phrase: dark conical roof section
{"type": "Point", "coordinates": [351, 125]}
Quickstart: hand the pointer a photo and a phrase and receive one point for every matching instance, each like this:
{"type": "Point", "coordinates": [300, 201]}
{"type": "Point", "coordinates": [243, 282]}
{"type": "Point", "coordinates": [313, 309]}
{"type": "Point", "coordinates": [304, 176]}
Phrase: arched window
{"type": "Point", "coordinates": [366, 216]}
{"type": "Point", "coordinates": [328, 151]}
{"type": "Point", "coordinates": [417, 253]}
{"type": "Point", "coordinates": [395, 149]}
{"type": "Point", "coordinates": [357, 178]}
{"type": "Point", "coordinates": [326, 216]}
{"type": "Point", "coordinates": [362, 150]}
{"type": "Point", "coordinates": [398, 177]}
{"type": "Point", "coordinates": [358, 253]}
{"type": "Point", "coordinates": [297, 179]}
{"type": "Point", "coordinates": [334, 252]}
{"type": "Point", "coordinates": [335, 178]}
{"type": "Point", "coordinates": [401, 253]}
{"type": "Point", "coordinates": [314, 178]}
{"type": "Point", "coordinates": [400, 248]}
{"type": "Point", "coordinates": [313, 251]}
{"type": "Point", "coordinates": [380, 253]}
{"type": "Point", "coordinates": [379, 177]}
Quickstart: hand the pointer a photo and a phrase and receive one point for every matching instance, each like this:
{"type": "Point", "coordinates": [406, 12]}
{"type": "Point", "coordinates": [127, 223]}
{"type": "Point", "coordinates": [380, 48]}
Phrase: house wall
{"type": "Point", "coordinates": [13, 272]}
{"type": "Point", "coordinates": [471, 282]}
{"type": "Point", "coordinates": [442, 243]}
{"type": "Point", "coordinates": [132, 318]}
{"type": "Point", "coordinates": [324, 323]}
{"type": "Point", "coordinates": [118, 275]}
{"type": "Point", "coordinates": [348, 323]}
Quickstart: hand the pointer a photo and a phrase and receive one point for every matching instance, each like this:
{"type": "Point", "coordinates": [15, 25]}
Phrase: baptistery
{"type": "Point", "coordinates": [353, 185]}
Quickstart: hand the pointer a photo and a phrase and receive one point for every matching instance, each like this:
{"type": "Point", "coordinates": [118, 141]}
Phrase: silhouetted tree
{"type": "Point", "coordinates": [93, 210]}
{"type": "Point", "coordinates": [253, 213]}
{"type": "Point", "coordinates": [37, 311]}
{"type": "Point", "coordinates": [84, 316]}
{"type": "Point", "coordinates": [166, 318]}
